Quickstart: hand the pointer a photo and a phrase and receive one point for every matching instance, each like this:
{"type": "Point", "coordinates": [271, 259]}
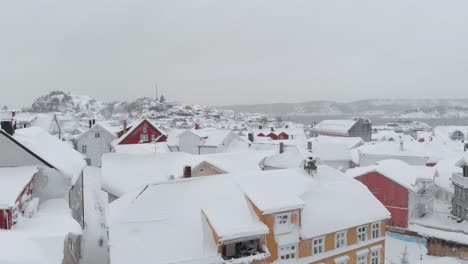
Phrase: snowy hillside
{"type": "Point", "coordinates": [404, 108]}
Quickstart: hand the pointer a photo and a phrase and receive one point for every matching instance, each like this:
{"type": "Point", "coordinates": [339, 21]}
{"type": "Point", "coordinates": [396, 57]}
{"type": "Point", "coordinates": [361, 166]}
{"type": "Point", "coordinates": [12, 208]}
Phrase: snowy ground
{"type": "Point", "coordinates": [416, 253]}
{"type": "Point", "coordinates": [95, 244]}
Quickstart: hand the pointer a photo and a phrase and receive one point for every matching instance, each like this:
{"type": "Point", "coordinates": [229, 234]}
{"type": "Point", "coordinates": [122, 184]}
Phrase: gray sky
{"type": "Point", "coordinates": [238, 51]}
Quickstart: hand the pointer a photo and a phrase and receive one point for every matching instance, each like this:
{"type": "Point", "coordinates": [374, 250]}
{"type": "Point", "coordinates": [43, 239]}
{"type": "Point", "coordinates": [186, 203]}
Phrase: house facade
{"type": "Point", "coordinates": [460, 197]}
{"type": "Point", "coordinates": [142, 132]}
{"type": "Point", "coordinates": [202, 141]}
{"type": "Point", "coordinates": [95, 142]}
{"type": "Point", "coordinates": [16, 188]}
{"type": "Point", "coordinates": [357, 127]}
{"type": "Point", "coordinates": [403, 199]}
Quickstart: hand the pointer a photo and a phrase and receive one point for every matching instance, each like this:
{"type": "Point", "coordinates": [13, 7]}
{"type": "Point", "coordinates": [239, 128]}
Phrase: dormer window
{"type": "Point", "coordinates": [282, 219]}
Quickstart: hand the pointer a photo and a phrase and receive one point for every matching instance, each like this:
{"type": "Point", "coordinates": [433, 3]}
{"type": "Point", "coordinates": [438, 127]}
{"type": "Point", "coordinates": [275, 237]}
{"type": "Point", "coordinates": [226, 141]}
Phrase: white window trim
{"type": "Point", "coordinates": [288, 218]}
{"type": "Point", "coordinates": [322, 245]}
{"type": "Point", "coordinates": [376, 249]}
{"type": "Point", "coordinates": [379, 227]}
{"type": "Point", "coordinates": [345, 239]}
{"type": "Point", "coordinates": [366, 233]}
{"type": "Point", "coordinates": [289, 245]}
{"type": "Point", "coordinates": [342, 260]}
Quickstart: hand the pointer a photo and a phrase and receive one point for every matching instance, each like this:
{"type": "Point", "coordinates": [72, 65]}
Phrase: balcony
{"type": "Point", "coordinates": [458, 179]}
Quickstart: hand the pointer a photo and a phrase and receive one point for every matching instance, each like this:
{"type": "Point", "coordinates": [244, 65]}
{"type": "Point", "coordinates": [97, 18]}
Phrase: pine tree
{"type": "Point", "coordinates": [404, 256]}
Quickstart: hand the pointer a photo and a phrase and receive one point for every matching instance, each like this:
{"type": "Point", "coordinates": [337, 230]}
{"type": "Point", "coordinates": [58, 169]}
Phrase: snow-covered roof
{"type": "Point", "coordinates": [51, 149]}
{"type": "Point", "coordinates": [331, 151]}
{"type": "Point", "coordinates": [398, 171]}
{"type": "Point", "coordinates": [146, 148]}
{"type": "Point", "coordinates": [274, 190]}
{"type": "Point", "coordinates": [123, 173]}
{"type": "Point", "coordinates": [43, 121]}
{"type": "Point", "coordinates": [463, 161]}
{"type": "Point", "coordinates": [292, 157]}
{"type": "Point", "coordinates": [210, 137]}
{"type": "Point", "coordinates": [170, 217]}
{"type": "Point", "coordinates": [326, 204]}
{"type": "Point", "coordinates": [350, 142]}
{"type": "Point", "coordinates": [12, 182]}
{"type": "Point", "coordinates": [444, 171]}
{"type": "Point", "coordinates": [173, 136]}
{"type": "Point", "coordinates": [335, 126]}
{"type": "Point", "coordinates": [236, 161]}
{"type": "Point", "coordinates": [320, 196]}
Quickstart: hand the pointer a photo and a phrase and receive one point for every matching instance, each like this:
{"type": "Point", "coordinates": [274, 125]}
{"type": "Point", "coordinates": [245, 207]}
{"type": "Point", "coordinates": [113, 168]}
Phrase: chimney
{"type": "Point", "coordinates": [260, 127]}
{"type": "Point", "coordinates": [287, 126]}
{"type": "Point", "coordinates": [197, 126]}
{"type": "Point", "coordinates": [309, 146]}
{"type": "Point", "coordinates": [251, 137]}
{"type": "Point", "coordinates": [187, 172]}
{"type": "Point", "coordinates": [90, 123]}
{"type": "Point", "coordinates": [94, 121]}
{"type": "Point", "coordinates": [8, 127]}
{"type": "Point", "coordinates": [281, 146]}
{"type": "Point", "coordinates": [401, 145]}
{"type": "Point", "coordinates": [272, 129]}
{"type": "Point", "coordinates": [125, 126]}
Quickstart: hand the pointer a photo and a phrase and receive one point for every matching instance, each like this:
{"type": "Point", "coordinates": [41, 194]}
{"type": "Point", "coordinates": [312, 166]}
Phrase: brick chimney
{"type": "Point", "coordinates": [281, 147]}
{"type": "Point", "coordinates": [187, 172]}
{"type": "Point", "coordinates": [197, 126]}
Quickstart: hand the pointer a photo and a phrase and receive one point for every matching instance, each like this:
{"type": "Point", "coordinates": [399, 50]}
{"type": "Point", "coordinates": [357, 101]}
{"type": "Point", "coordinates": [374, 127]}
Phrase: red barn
{"type": "Point", "coordinates": [405, 190]}
{"type": "Point", "coordinates": [16, 187]}
{"type": "Point", "coordinates": [142, 132]}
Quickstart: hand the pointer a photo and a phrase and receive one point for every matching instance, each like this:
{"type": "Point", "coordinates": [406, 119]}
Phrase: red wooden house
{"type": "Point", "coordinates": [405, 190]}
{"type": "Point", "coordinates": [16, 187]}
{"type": "Point", "coordinates": [142, 132]}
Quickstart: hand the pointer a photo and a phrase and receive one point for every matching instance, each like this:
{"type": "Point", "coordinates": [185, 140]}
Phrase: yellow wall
{"type": "Point", "coordinates": [352, 255]}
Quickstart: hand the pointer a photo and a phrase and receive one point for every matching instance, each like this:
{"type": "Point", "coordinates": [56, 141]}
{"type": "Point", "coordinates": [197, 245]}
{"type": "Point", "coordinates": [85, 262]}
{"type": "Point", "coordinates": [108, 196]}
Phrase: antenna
{"type": "Point", "coordinates": [157, 92]}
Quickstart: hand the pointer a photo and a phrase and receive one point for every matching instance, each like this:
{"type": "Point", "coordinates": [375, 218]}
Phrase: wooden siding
{"type": "Point", "coordinates": [206, 169]}
{"type": "Point", "coordinates": [352, 255]}
{"type": "Point", "coordinates": [269, 221]}
{"type": "Point", "coordinates": [305, 248]}
{"type": "Point", "coordinates": [391, 194]}
{"type": "Point", "coordinates": [135, 136]}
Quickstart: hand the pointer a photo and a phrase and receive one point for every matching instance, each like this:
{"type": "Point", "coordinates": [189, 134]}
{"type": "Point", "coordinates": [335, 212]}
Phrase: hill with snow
{"type": "Point", "coordinates": [395, 108]}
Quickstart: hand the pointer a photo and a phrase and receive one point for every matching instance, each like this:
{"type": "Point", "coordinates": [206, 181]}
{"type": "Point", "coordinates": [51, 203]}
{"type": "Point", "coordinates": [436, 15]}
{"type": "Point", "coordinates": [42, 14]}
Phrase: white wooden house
{"type": "Point", "coordinates": [96, 142]}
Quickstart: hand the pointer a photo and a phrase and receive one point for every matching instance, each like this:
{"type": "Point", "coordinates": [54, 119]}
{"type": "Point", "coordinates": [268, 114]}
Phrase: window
{"type": "Point", "coordinates": [458, 210]}
{"type": "Point", "coordinates": [287, 252]}
{"type": "Point", "coordinates": [97, 135]}
{"type": "Point", "coordinates": [362, 233]}
{"type": "Point", "coordinates": [375, 230]}
{"type": "Point", "coordinates": [318, 245]}
{"type": "Point", "coordinates": [458, 192]}
{"type": "Point", "coordinates": [362, 259]}
{"type": "Point", "coordinates": [375, 257]}
{"type": "Point", "coordinates": [282, 219]}
{"type": "Point", "coordinates": [145, 129]}
{"type": "Point", "coordinates": [340, 239]}
{"type": "Point", "coordinates": [144, 137]}
{"type": "Point", "coordinates": [84, 149]}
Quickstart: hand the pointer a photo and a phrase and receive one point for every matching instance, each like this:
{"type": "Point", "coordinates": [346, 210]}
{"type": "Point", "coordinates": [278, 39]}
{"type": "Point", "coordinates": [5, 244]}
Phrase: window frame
{"type": "Point", "coordinates": [320, 246]}
{"type": "Point", "coordinates": [343, 239]}
{"type": "Point", "coordinates": [143, 137]}
{"type": "Point", "coordinates": [292, 252]}
{"type": "Point", "coordinates": [84, 149]}
{"type": "Point", "coordinates": [97, 135]}
{"type": "Point", "coordinates": [361, 256]}
{"type": "Point", "coordinates": [374, 257]}
{"type": "Point", "coordinates": [359, 234]}
{"type": "Point", "coordinates": [284, 219]}
{"type": "Point", "coordinates": [375, 229]}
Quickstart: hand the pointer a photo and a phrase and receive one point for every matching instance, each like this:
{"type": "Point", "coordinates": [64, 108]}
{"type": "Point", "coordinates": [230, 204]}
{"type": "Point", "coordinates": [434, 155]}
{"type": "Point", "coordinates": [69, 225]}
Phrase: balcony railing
{"type": "Point", "coordinates": [458, 179]}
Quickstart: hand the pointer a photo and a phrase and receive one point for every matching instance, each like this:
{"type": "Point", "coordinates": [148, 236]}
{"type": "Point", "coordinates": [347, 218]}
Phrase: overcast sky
{"type": "Point", "coordinates": [239, 51]}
